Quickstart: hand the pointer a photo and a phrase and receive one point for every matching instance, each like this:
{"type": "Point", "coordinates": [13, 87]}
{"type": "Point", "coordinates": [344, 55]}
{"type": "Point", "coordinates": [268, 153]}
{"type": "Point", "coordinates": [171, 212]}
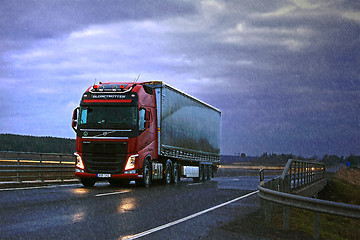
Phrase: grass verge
{"type": "Point", "coordinates": [331, 226]}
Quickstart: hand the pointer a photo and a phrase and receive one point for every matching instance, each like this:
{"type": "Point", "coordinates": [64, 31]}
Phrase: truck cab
{"type": "Point", "coordinates": [116, 131]}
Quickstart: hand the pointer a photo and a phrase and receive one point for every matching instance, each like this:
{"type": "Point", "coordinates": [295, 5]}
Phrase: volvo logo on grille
{"type": "Point", "coordinates": [104, 134]}
{"type": "Point", "coordinates": [86, 134]}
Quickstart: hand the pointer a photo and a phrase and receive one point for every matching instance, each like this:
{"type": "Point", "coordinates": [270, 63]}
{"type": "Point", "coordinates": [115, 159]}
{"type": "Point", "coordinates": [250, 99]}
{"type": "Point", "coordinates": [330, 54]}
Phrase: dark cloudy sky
{"type": "Point", "coordinates": [284, 73]}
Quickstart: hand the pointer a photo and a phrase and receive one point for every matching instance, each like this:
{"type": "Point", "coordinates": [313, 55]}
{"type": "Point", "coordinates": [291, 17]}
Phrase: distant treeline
{"type": "Point", "coordinates": [20, 143]}
{"type": "Point", "coordinates": [265, 158]}
{"type": "Point", "coordinates": [281, 159]}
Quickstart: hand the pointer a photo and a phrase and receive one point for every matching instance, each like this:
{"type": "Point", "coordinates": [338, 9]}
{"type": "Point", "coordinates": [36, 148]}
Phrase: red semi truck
{"type": "Point", "coordinates": [144, 132]}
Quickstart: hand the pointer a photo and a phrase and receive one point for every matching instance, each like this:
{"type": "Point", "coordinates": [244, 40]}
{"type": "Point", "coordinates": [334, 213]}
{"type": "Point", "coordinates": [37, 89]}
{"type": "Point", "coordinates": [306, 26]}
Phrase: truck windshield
{"type": "Point", "coordinates": [109, 116]}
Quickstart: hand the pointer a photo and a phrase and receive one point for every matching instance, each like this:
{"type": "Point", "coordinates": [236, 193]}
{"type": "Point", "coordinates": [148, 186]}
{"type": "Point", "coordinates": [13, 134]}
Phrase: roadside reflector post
{"type": "Point", "coordinates": [41, 169]}
{"type": "Point", "coordinates": [262, 177]}
{"type": "Point", "coordinates": [286, 217]}
{"type": "Point", "coordinates": [268, 209]}
{"type": "Point", "coordinates": [316, 225]}
{"type": "Point", "coordinates": [61, 176]}
{"type": "Point", "coordinates": [18, 168]}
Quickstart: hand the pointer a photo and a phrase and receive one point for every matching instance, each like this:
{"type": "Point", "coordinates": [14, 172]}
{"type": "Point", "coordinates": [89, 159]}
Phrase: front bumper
{"type": "Point", "coordinates": [112, 176]}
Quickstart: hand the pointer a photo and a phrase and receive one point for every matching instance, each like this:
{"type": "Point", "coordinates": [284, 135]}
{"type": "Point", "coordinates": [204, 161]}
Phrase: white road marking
{"type": "Point", "coordinates": [142, 234]}
{"type": "Point", "coordinates": [38, 187]}
{"type": "Point", "coordinates": [111, 193]}
{"type": "Point", "coordinates": [192, 184]}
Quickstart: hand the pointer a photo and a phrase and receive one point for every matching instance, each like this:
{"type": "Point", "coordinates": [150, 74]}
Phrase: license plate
{"type": "Point", "coordinates": [104, 175]}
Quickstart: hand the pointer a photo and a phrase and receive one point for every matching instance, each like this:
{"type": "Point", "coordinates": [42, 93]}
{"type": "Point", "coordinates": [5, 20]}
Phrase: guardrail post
{"type": "Point", "coordinates": [60, 172]}
{"type": "Point", "coordinates": [262, 177]}
{"type": "Point", "coordinates": [301, 174]}
{"type": "Point", "coordinates": [18, 168]}
{"type": "Point", "coordinates": [286, 218]}
{"type": "Point", "coordinates": [281, 185]}
{"type": "Point", "coordinates": [41, 169]}
{"type": "Point", "coordinates": [290, 176]}
{"type": "Point", "coordinates": [305, 173]}
{"type": "Point", "coordinates": [298, 174]}
{"type": "Point", "coordinates": [316, 225]}
{"type": "Point", "coordinates": [267, 209]}
{"type": "Point", "coordinates": [312, 173]}
{"type": "Point", "coordinates": [287, 184]}
{"type": "Point", "coordinates": [262, 208]}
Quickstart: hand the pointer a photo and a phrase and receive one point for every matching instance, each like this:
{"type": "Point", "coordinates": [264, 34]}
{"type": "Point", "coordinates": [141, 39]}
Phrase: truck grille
{"type": "Point", "coordinates": [104, 157]}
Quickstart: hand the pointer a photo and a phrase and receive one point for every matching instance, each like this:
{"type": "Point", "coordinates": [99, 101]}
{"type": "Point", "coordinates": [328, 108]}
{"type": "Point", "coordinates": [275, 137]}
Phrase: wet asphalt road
{"type": "Point", "coordinates": [105, 212]}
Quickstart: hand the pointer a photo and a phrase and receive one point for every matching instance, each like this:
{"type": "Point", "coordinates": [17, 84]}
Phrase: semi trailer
{"type": "Point", "coordinates": [144, 132]}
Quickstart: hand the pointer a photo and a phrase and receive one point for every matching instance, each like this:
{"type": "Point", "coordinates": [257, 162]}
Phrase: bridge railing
{"type": "Point", "coordinates": [24, 166]}
{"type": "Point", "coordinates": [299, 174]}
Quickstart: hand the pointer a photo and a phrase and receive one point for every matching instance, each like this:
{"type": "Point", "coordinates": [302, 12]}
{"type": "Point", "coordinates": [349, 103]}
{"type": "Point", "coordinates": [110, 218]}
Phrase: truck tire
{"type": "Point", "coordinates": [88, 182]}
{"type": "Point", "coordinates": [203, 172]}
{"type": "Point", "coordinates": [210, 173]}
{"type": "Point", "coordinates": [167, 172]}
{"type": "Point", "coordinates": [175, 176]}
{"type": "Point", "coordinates": [146, 180]}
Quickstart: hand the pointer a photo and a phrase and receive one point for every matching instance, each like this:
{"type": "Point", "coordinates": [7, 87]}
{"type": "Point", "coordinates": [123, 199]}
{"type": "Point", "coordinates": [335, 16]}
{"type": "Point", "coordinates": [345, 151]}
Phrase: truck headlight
{"type": "Point", "coordinates": [130, 164]}
{"type": "Point", "coordinates": [79, 163]}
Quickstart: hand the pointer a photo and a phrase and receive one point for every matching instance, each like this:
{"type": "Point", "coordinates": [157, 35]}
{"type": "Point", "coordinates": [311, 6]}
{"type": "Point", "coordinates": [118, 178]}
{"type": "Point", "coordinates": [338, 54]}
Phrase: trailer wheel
{"type": "Point", "coordinates": [208, 172]}
{"type": "Point", "coordinates": [211, 175]}
{"type": "Point", "coordinates": [204, 172]}
{"type": "Point", "coordinates": [167, 172]}
{"type": "Point", "coordinates": [88, 182]}
{"type": "Point", "coordinates": [201, 172]}
{"type": "Point", "coordinates": [175, 173]}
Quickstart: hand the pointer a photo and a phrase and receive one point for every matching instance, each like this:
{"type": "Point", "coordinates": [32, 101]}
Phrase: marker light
{"type": "Point", "coordinates": [79, 163]}
{"type": "Point", "coordinates": [131, 162]}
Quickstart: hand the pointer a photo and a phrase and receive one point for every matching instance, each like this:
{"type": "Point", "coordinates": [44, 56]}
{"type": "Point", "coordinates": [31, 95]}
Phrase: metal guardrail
{"type": "Point", "coordinates": [24, 166]}
{"type": "Point", "coordinates": [298, 174]}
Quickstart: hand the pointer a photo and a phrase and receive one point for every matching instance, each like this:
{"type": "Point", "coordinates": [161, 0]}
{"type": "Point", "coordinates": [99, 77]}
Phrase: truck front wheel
{"type": "Point", "coordinates": [88, 182]}
{"type": "Point", "coordinates": [146, 181]}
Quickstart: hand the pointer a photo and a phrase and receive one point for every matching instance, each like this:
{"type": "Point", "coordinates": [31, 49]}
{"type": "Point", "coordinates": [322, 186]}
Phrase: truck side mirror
{"type": "Point", "coordinates": [75, 118]}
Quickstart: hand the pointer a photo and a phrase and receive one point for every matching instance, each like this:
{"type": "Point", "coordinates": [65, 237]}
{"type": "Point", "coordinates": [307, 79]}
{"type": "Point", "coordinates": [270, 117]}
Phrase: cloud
{"type": "Point", "coordinates": [352, 15]}
{"type": "Point", "coordinates": [285, 74]}
{"type": "Point", "coordinates": [32, 20]}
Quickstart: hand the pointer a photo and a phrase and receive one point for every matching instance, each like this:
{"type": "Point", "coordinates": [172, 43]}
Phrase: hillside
{"type": "Point", "coordinates": [20, 143]}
